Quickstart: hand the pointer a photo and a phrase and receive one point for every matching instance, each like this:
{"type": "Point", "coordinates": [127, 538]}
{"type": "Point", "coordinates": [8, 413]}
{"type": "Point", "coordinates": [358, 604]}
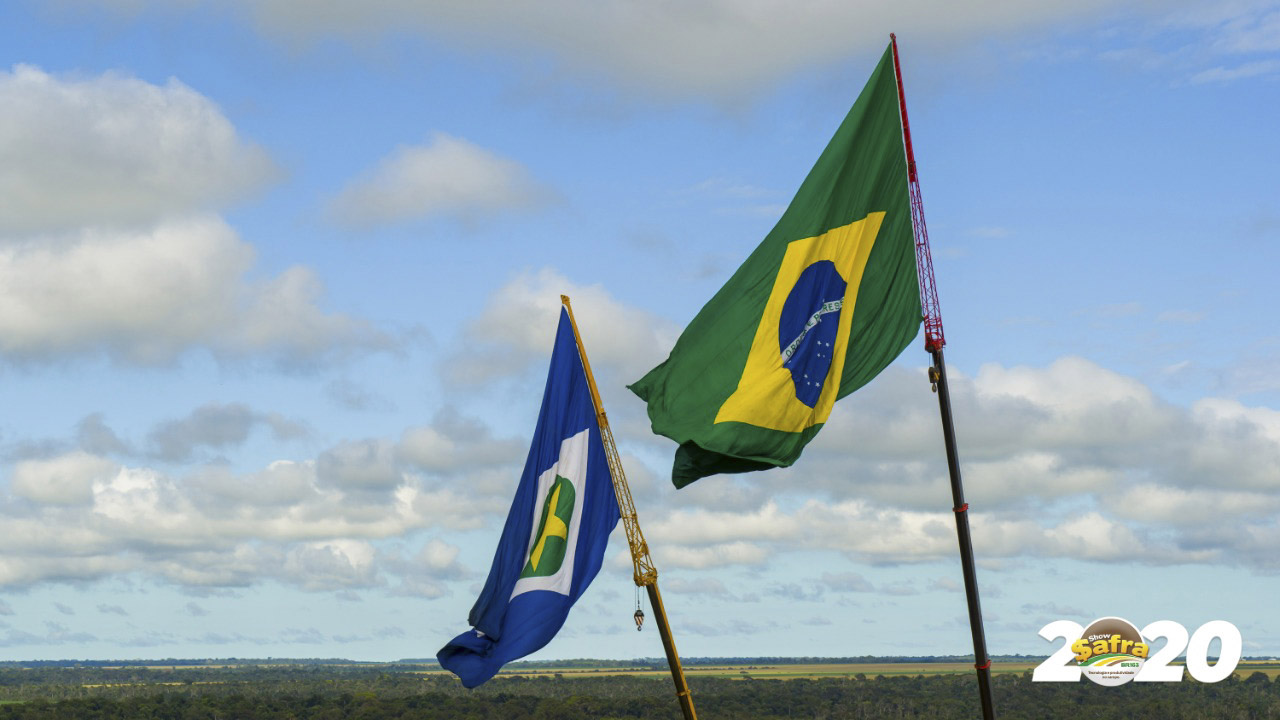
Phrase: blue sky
{"type": "Point", "coordinates": [278, 281]}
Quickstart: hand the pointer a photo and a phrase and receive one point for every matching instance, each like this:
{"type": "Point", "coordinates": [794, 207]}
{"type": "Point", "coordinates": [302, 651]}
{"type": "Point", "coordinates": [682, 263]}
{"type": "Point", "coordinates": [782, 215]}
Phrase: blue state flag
{"type": "Point", "coordinates": [559, 523]}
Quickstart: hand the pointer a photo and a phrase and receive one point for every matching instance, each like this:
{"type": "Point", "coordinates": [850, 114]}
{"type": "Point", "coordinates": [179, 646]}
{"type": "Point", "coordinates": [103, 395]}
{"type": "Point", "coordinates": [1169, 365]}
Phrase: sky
{"type": "Point", "coordinates": [279, 281]}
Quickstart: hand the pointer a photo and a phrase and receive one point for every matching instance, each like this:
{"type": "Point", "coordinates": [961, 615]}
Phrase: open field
{"type": "Point", "coordinates": [754, 689]}
{"type": "Point", "coordinates": [815, 671]}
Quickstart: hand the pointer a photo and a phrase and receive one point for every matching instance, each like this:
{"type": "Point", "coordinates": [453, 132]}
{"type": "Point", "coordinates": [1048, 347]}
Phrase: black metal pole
{"type": "Point", "coordinates": [982, 662]}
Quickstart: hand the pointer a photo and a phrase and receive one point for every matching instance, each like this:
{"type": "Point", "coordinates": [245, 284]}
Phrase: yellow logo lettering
{"type": "Point", "coordinates": [1081, 649]}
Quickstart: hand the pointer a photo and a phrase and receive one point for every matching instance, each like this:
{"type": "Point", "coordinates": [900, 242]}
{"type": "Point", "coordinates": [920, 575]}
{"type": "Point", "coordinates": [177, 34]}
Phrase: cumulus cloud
{"type": "Point", "coordinates": [448, 177]}
{"type": "Point", "coordinates": [714, 527]}
{"type": "Point", "coordinates": [201, 534]}
{"type": "Point", "coordinates": [331, 565]}
{"type": "Point", "coordinates": [65, 480]}
{"type": "Point", "coordinates": [147, 296]}
{"type": "Point", "coordinates": [1069, 460]}
{"type": "Point", "coordinates": [723, 48]}
{"type": "Point", "coordinates": [518, 324]}
{"type": "Point", "coordinates": [217, 427]}
{"type": "Point", "coordinates": [677, 555]}
{"type": "Point", "coordinates": [112, 149]}
{"type": "Point", "coordinates": [454, 442]}
{"type": "Point", "coordinates": [877, 535]}
{"type": "Point", "coordinates": [108, 241]}
{"type": "Point", "coordinates": [313, 524]}
{"type": "Point", "coordinates": [730, 49]}
{"type": "Point", "coordinates": [360, 465]}
{"type": "Point", "coordinates": [1026, 435]}
{"type": "Point", "coordinates": [697, 586]}
{"type": "Point", "coordinates": [427, 572]}
{"type": "Point", "coordinates": [95, 437]}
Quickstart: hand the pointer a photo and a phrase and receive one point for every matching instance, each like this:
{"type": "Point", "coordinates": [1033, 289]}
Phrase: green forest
{"type": "Point", "coordinates": [368, 692]}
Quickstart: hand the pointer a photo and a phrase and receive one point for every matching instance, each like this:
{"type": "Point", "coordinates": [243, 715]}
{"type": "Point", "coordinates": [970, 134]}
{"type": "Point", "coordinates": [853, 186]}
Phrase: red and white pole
{"type": "Point", "coordinates": [934, 341]}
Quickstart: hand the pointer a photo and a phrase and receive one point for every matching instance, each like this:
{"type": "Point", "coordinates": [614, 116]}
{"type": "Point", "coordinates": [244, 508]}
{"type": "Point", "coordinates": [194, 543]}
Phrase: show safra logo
{"type": "Point", "coordinates": [1111, 651]}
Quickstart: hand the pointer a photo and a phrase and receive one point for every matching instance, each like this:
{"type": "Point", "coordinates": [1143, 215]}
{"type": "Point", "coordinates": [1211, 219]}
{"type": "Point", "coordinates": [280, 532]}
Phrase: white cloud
{"type": "Point", "coordinates": [519, 323]}
{"type": "Point", "coordinates": [281, 484]}
{"type": "Point", "coordinates": [1069, 460]}
{"type": "Point", "coordinates": [720, 48]}
{"type": "Point", "coordinates": [320, 525]}
{"type": "Point", "coordinates": [1221, 74]}
{"type": "Point", "coordinates": [709, 527]}
{"type": "Point", "coordinates": [107, 238]}
{"type": "Point", "coordinates": [331, 565]}
{"type": "Point", "coordinates": [214, 426]}
{"type": "Point", "coordinates": [427, 447]}
{"type": "Point", "coordinates": [447, 177]}
{"type": "Point", "coordinates": [1027, 436]}
{"type": "Point", "coordinates": [367, 464]}
{"type": "Point", "coordinates": [1256, 32]}
{"type": "Point", "coordinates": [112, 149]}
{"type": "Point", "coordinates": [1233, 447]}
{"type": "Point", "coordinates": [878, 535]}
{"type": "Point", "coordinates": [712, 556]}
{"type": "Point", "coordinates": [147, 296]}
{"type": "Point", "coordinates": [65, 480]}
{"type": "Point", "coordinates": [1235, 26]}
{"type": "Point", "coordinates": [697, 586]}
{"type": "Point", "coordinates": [1231, 416]}
{"type": "Point", "coordinates": [454, 443]}
{"type": "Point", "coordinates": [211, 530]}
{"type": "Point", "coordinates": [1173, 506]}
{"type": "Point", "coordinates": [427, 572]}
{"type": "Point", "coordinates": [438, 555]}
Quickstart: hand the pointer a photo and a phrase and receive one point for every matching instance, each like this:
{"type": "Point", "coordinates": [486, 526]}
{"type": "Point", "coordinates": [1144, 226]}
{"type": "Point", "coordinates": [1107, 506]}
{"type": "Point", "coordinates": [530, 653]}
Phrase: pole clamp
{"type": "Point", "coordinates": [962, 508]}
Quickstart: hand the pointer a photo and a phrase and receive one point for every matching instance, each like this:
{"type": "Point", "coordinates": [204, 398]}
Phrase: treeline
{"type": "Point", "coordinates": [430, 663]}
{"type": "Point", "coordinates": [364, 694]}
{"type": "Point", "coordinates": [661, 663]}
{"type": "Point", "coordinates": [185, 662]}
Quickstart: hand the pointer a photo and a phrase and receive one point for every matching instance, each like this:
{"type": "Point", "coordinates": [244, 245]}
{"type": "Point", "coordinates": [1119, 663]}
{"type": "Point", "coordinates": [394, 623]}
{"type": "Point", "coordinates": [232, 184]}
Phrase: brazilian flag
{"type": "Point", "coordinates": [819, 308]}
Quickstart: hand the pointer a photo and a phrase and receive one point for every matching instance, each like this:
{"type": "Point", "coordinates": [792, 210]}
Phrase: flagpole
{"type": "Point", "coordinates": [934, 341]}
{"type": "Point", "coordinates": [646, 575]}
